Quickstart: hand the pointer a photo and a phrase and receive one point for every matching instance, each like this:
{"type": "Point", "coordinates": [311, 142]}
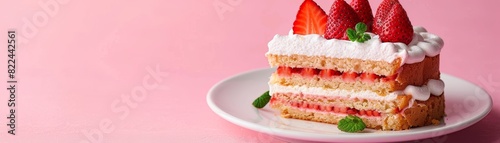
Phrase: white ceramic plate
{"type": "Point", "coordinates": [232, 99]}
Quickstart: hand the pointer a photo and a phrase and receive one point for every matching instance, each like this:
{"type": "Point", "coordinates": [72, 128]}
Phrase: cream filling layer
{"type": "Point", "coordinates": [421, 93]}
{"type": "Point", "coordinates": [423, 44]}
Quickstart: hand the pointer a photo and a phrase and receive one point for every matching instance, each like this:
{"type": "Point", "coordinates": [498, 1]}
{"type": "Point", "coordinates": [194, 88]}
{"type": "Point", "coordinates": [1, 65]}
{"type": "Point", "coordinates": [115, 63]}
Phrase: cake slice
{"type": "Point", "coordinates": [389, 79]}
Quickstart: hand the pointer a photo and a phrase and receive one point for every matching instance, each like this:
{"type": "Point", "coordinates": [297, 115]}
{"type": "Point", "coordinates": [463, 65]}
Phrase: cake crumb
{"type": "Point", "coordinates": [435, 122]}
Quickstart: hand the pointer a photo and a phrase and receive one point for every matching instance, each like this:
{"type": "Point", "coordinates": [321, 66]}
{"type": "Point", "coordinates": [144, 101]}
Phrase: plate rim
{"type": "Point", "coordinates": [342, 137]}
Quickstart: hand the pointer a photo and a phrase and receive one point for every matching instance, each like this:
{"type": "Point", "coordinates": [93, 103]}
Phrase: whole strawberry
{"type": "Point", "coordinates": [364, 11]}
{"type": "Point", "coordinates": [341, 17]}
{"type": "Point", "coordinates": [397, 26]}
{"type": "Point", "coordinates": [382, 12]}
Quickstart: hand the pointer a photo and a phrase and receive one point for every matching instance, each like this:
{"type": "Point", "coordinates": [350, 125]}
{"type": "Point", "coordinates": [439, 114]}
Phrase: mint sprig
{"type": "Point", "coordinates": [358, 35]}
{"type": "Point", "coordinates": [262, 100]}
{"type": "Point", "coordinates": [351, 124]}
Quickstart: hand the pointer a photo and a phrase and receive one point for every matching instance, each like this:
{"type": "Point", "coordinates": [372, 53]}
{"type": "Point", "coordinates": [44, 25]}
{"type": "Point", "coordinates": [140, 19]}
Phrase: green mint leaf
{"type": "Point", "coordinates": [361, 27]}
{"type": "Point", "coordinates": [358, 35]}
{"type": "Point", "coordinates": [351, 124]}
{"type": "Point", "coordinates": [262, 100]}
{"type": "Point", "coordinates": [363, 37]}
{"type": "Point", "coordinates": [367, 37]}
{"type": "Point", "coordinates": [351, 34]}
{"type": "Point", "coordinates": [360, 40]}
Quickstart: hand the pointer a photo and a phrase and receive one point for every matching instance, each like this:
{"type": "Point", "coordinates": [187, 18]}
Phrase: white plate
{"type": "Point", "coordinates": [232, 99]}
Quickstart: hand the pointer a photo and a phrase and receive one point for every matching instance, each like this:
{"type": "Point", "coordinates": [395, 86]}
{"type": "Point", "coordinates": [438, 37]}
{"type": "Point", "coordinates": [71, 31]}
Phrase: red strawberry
{"type": "Point", "coordinates": [341, 17]}
{"type": "Point", "coordinates": [273, 99]}
{"type": "Point", "coordinates": [284, 71]}
{"type": "Point", "coordinates": [322, 108]}
{"type": "Point", "coordinates": [382, 11]}
{"type": "Point", "coordinates": [397, 26]}
{"type": "Point", "coordinates": [375, 113]}
{"type": "Point", "coordinates": [336, 109]}
{"type": "Point", "coordinates": [369, 113]}
{"type": "Point", "coordinates": [305, 104]}
{"type": "Point", "coordinates": [349, 76]}
{"type": "Point", "coordinates": [393, 77]}
{"type": "Point", "coordinates": [315, 106]}
{"type": "Point", "coordinates": [296, 70]}
{"type": "Point", "coordinates": [364, 11]}
{"type": "Point", "coordinates": [362, 112]}
{"type": "Point", "coordinates": [397, 110]}
{"type": "Point", "coordinates": [389, 78]}
{"type": "Point", "coordinates": [352, 111]}
{"type": "Point", "coordinates": [329, 108]}
{"type": "Point", "coordinates": [328, 73]}
{"type": "Point", "coordinates": [343, 110]}
{"type": "Point", "coordinates": [368, 77]}
{"type": "Point", "coordinates": [311, 19]}
{"type": "Point", "coordinates": [309, 72]}
{"type": "Point", "coordinates": [310, 106]}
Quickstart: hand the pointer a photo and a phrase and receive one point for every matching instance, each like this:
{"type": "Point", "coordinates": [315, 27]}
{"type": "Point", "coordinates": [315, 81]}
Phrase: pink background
{"type": "Point", "coordinates": [81, 57]}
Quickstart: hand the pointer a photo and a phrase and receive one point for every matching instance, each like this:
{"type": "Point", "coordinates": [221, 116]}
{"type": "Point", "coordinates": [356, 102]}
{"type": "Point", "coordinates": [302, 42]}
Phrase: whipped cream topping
{"type": "Point", "coordinates": [436, 87]}
{"type": "Point", "coordinates": [421, 93]}
{"type": "Point", "coordinates": [423, 44]}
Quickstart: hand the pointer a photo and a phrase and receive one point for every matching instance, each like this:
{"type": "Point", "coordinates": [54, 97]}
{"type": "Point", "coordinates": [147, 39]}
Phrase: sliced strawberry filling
{"type": "Point", "coordinates": [329, 74]}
